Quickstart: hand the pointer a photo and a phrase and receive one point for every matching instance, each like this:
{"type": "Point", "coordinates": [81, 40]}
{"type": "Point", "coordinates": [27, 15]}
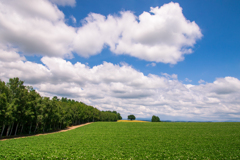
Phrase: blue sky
{"type": "Point", "coordinates": [216, 54]}
{"type": "Point", "coordinates": [126, 56]}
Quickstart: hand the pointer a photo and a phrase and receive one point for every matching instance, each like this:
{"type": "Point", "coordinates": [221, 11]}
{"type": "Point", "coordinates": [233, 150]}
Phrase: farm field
{"type": "Point", "coordinates": [111, 140]}
{"type": "Point", "coordinates": [131, 121]}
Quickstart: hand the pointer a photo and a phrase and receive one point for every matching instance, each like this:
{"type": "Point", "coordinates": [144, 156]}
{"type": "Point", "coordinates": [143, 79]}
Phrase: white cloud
{"type": "Point", "coordinates": [122, 88]}
{"type": "Point", "coordinates": [9, 54]}
{"type": "Point", "coordinates": [41, 9]}
{"type": "Point", "coordinates": [161, 35]}
{"type": "Point", "coordinates": [64, 2]}
{"type": "Point", "coordinates": [201, 81]}
{"type": "Point", "coordinates": [173, 76]}
{"type": "Point", "coordinates": [151, 64]}
{"type": "Point", "coordinates": [26, 26]}
{"type": "Point", "coordinates": [73, 19]}
{"type": "Point", "coordinates": [188, 80]}
{"type": "Point", "coordinates": [225, 86]}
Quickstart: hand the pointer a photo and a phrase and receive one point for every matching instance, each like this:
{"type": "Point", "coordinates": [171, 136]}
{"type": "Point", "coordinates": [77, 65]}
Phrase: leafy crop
{"type": "Point", "coordinates": [111, 140]}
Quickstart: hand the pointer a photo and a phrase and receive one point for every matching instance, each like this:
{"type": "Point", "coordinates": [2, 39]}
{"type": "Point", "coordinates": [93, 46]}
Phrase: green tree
{"type": "Point", "coordinates": [5, 113]}
{"type": "Point", "coordinates": [155, 119]}
{"type": "Point", "coordinates": [131, 117]}
{"type": "Point", "coordinates": [33, 97]}
{"type": "Point", "coordinates": [19, 100]}
{"type": "Point", "coordinates": [119, 116]}
{"type": "Point", "coordinates": [22, 107]}
{"type": "Point", "coordinates": [39, 109]}
{"type": "Point", "coordinates": [6, 108]}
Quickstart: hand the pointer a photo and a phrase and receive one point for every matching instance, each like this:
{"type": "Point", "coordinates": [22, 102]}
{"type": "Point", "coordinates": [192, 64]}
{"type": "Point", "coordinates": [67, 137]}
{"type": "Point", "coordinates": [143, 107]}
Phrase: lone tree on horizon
{"type": "Point", "coordinates": [131, 117]}
{"type": "Point", "coordinates": [155, 119]}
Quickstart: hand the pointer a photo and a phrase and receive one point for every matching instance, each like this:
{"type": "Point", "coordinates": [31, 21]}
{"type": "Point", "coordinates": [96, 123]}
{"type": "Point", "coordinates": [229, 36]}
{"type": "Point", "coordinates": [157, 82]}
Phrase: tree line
{"type": "Point", "coordinates": [25, 111]}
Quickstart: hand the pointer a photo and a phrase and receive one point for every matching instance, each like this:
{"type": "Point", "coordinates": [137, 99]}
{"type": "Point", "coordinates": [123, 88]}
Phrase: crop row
{"type": "Point", "coordinates": [112, 140]}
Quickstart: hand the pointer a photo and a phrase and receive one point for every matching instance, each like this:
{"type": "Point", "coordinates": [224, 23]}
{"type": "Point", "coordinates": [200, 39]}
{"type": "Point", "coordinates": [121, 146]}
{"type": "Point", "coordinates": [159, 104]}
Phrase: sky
{"type": "Point", "coordinates": [178, 60]}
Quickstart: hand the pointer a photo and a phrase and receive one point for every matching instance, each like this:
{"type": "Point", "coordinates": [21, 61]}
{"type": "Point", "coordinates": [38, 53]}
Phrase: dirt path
{"type": "Point", "coordinates": [64, 130]}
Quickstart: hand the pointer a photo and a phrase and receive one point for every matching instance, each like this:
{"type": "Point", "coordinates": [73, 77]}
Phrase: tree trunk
{"type": "Point", "coordinates": [8, 130]}
{"type": "Point", "coordinates": [60, 125]}
{"type": "Point", "coordinates": [11, 129]}
{"type": "Point", "coordinates": [22, 129]}
{"type": "Point", "coordinates": [3, 129]}
{"type": "Point", "coordinates": [43, 127]}
{"type": "Point", "coordinates": [16, 130]}
{"type": "Point", "coordinates": [54, 126]}
{"type": "Point", "coordinates": [36, 127]}
{"type": "Point", "coordinates": [50, 127]}
{"type": "Point", "coordinates": [30, 128]}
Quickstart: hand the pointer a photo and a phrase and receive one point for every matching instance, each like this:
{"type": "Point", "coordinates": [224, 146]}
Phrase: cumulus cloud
{"type": "Point", "coordinates": [25, 25]}
{"type": "Point", "coordinates": [9, 54]}
{"type": "Point", "coordinates": [121, 87]}
{"type": "Point", "coordinates": [160, 35]}
{"type": "Point", "coordinates": [225, 86]}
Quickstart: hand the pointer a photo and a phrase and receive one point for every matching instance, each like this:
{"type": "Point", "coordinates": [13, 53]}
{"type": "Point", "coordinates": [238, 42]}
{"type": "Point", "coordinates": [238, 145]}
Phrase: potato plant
{"type": "Point", "coordinates": [112, 140]}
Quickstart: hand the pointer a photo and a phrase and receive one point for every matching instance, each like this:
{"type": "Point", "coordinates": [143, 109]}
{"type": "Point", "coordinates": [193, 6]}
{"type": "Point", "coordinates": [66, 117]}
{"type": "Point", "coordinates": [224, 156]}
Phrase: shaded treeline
{"type": "Point", "coordinates": [24, 111]}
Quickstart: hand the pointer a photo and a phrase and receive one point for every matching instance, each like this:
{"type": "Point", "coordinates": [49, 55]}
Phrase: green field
{"type": "Point", "coordinates": [112, 140]}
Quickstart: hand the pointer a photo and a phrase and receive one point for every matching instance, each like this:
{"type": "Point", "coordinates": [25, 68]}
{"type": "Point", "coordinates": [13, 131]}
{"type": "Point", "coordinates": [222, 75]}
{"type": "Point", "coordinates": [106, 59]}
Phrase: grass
{"type": "Point", "coordinates": [131, 121]}
{"type": "Point", "coordinates": [109, 140]}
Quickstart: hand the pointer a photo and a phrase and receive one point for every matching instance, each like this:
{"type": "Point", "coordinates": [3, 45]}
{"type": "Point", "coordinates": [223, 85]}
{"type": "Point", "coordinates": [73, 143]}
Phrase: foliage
{"type": "Point", "coordinates": [104, 140]}
{"type": "Point", "coordinates": [23, 110]}
{"type": "Point", "coordinates": [155, 119]}
{"type": "Point", "coordinates": [131, 117]}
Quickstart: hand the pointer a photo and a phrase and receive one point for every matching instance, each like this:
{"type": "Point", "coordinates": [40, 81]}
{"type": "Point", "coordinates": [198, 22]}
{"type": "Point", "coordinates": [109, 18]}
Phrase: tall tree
{"type": "Point", "coordinates": [24, 109]}
{"type": "Point", "coordinates": [6, 107]}
{"type": "Point", "coordinates": [33, 98]}
{"type": "Point", "coordinates": [19, 98]}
